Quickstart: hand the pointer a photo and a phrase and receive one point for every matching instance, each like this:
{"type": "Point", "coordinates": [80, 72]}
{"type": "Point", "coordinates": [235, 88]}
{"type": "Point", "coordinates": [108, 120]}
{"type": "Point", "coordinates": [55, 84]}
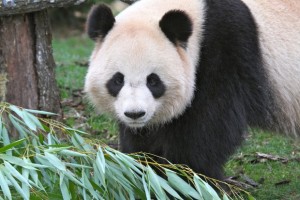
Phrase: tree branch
{"type": "Point", "coordinates": [10, 7]}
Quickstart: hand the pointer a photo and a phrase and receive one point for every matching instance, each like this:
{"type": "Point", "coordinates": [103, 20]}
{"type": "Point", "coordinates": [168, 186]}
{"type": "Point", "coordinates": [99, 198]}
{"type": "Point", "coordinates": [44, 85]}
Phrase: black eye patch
{"type": "Point", "coordinates": [115, 84]}
{"type": "Point", "coordinates": [155, 85]}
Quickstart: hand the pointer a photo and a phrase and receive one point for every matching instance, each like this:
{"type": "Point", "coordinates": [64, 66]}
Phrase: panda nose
{"type": "Point", "coordinates": [135, 115]}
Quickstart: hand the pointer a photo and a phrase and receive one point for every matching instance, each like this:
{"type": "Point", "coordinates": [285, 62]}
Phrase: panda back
{"type": "Point", "coordinates": [278, 26]}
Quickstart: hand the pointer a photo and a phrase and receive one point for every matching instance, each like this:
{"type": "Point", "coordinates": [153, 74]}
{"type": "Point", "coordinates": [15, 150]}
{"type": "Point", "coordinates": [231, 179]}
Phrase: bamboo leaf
{"type": "Point", "coordinates": [89, 186]}
{"type": "Point", "coordinates": [82, 143]}
{"type": "Point", "coordinates": [75, 131]}
{"type": "Point", "coordinates": [36, 145]}
{"type": "Point", "coordinates": [72, 153]}
{"type": "Point", "coordinates": [153, 178]}
{"type": "Point", "coordinates": [146, 188]}
{"type": "Point", "coordinates": [21, 130]}
{"type": "Point", "coordinates": [4, 184]}
{"type": "Point", "coordinates": [73, 178]}
{"type": "Point", "coordinates": [15, 184]}
{"type": "Point", "coordinates": [201, 188]}
{"type": "Point", "coordinates": [56, 148]}
{"type": "Point", "coordinates": [11, 145]}
{"type": "Point", "coordinates": [25, 187]}
{"type": "Point", "coordinates": [26, 119]}
{"type": "Point", "coordinates": [100, 160]}
{"type": "Point", "coordinates": [34, 176]}
{"type": "Point", "coordinates": [12, 159]}
{"type": "Point", "coordinates": [64, 188]}
{"type": "Point", "coordinates": [180, 185]}
{"type": "Point", "coordinates": [40, 112]}
{"type": "Point", "coordinates": [212, 191]}
{"type": "Point", "coordinates": [74, 165]}
{"type": "Point", "coordinates": [121, 195]}
{"type": "Point", "coordinates": [20, 162]}
{"type": "Point", "coordinates": [164, 184]}
{"type": "Point", "coordinates": [225, 197]}
{"type": "Point", "coordinates": [81, 171]}
{"type": "Point", "coordinates": [55, 161]}
{"type": "Point", "coordinates": [1, 125]}
{"type": "Point", "coordinates": [50, 141]}
{"type": "Point", "coordinates": [15, 173]}
{"type": "Point", "coordinates": [33, 119]}
{"type": "Point", "coordinates": [117, 175]}
{"type": "Point", "coordinates": [6, 141]}
{"type": "Point", "coordinates": [44, 161]}
{"type": "Point", "coordinates": [17, 110]}
{"type": "Point", "coordinates": [130, 162]}
{"type": "Point", "coordinates": [99, 175]}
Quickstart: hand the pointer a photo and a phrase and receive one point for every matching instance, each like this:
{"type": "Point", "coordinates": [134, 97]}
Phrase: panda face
{"type": "Point", "coordinates": [140, 77]}
{"type": "Point", "coordinates": [136, 99]}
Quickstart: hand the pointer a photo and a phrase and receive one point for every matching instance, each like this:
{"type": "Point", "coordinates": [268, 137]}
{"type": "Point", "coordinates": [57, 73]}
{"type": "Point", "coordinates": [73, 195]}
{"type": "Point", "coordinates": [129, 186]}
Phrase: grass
{"type": "Point", "coordinates": [266, 171]}
{"type": "Point", "coordinates": [72, 52]}
{"type": "Point", "coordinates": [68, 53]}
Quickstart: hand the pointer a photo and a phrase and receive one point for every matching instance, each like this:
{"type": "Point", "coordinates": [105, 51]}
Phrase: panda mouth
{"type": "Point", "coordinates": [136, 124]}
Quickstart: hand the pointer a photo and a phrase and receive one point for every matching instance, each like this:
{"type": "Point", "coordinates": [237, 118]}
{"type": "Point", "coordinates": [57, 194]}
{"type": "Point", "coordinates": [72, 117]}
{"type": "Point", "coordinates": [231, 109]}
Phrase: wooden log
{"type": "Point", "coordinates": [12, 7]}
{"type": "Point", "coordinates": [26, 62]}
{"type": "Point", "coordinates": [17, 61]}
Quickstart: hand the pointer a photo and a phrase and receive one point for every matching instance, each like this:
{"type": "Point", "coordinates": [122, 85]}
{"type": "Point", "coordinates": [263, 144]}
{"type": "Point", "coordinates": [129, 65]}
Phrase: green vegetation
{"type": "Point", "coordinates": [69, 54]}
{"type": "Point", "coordinates": [279, 176]}
{"type": "Point", "coordinates": [277, 179]}
{"type": "Point", "coordinates": [52, 161]}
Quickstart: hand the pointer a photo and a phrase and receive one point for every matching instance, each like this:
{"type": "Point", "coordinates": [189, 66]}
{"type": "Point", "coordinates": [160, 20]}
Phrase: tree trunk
{"type": "Point", "coordinates": [26, 63]}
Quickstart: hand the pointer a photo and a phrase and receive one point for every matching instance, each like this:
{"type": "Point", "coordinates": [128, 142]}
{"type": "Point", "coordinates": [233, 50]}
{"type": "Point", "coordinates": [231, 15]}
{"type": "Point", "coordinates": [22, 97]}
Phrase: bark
{"type": "Point", "coordinates": [47, 89]}
{"type": "Point", "coordinates": [10, 7]}
{"type": "Point", "coordinates": [26, 62]}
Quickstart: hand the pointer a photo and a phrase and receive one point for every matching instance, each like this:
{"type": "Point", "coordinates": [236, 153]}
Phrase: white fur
{"type": "Point", "coordinates": [137, 47]}
{"type": "Point", "coordinates": [279, 29]}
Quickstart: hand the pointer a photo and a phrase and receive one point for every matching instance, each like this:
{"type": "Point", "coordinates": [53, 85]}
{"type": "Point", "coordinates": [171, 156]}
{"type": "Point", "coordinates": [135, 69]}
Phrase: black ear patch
{"type": "Point", "coordinates": [100, 21]}
{"type": "Point", "coordinates": [177, 26]}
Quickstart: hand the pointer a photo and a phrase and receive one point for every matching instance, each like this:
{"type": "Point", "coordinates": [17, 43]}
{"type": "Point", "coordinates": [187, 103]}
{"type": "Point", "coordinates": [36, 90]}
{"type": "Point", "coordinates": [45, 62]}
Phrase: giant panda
{"type": "Point", "coordinates": [185, 79]}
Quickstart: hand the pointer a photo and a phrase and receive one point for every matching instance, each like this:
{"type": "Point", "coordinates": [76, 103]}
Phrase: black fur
{"type": "Point", "coordinates": [177, 26]}
{"type": "Point", "coordinates": [115, 84]}
{"type": "Point", "coordinates": [100, 21]}
{"type": "Point", "coordinates": [232, 92]}
{"type": "Point", "coordinates": [155, 85]}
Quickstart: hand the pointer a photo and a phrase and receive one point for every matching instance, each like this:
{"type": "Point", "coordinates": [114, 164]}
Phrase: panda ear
{"type": "Point", "coordinates": [177, 26]}
{"type": "Point", "coordinates": [100, 21]}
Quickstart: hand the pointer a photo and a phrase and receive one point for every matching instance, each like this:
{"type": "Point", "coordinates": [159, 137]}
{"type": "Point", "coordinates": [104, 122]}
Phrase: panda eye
{"type": "Point", "coordinates": [119, 80]}
{"type": "Point", "coordinates": [115, 84]}
{"type": "Point", "coordinates": [155, 85]}
{"type": "Point", "coordinates": [153, 80]}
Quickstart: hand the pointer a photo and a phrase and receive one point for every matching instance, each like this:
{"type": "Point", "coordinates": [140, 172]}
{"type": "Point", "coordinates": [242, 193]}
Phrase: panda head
{"type": "Point", "coordinates": [140, 70]}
